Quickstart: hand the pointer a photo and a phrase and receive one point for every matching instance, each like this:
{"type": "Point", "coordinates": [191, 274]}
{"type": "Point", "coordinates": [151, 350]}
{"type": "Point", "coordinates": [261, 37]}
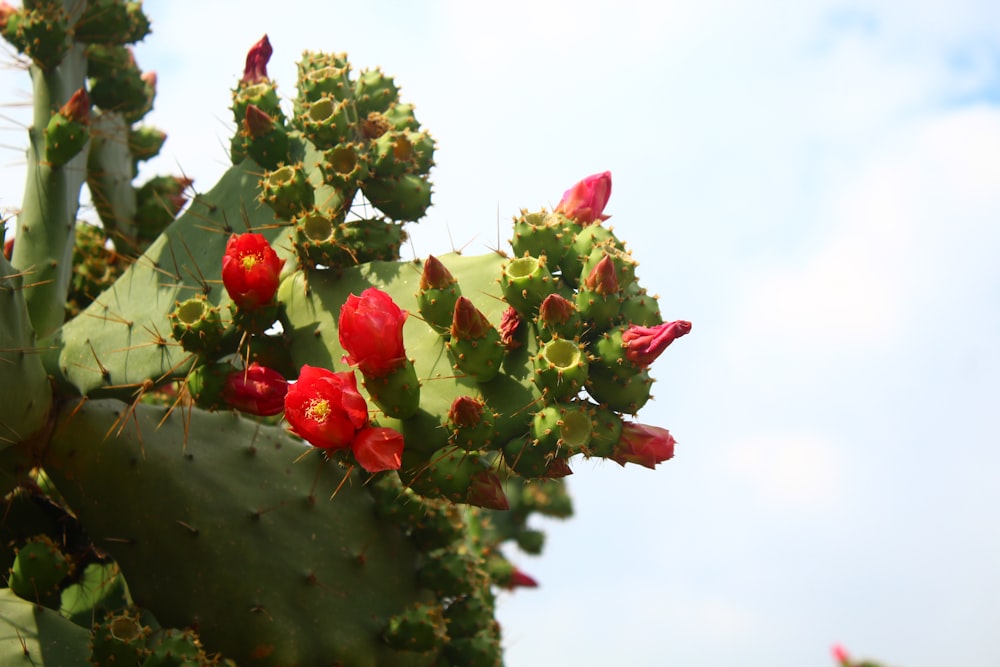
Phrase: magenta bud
{"type": "Point", "coordinates": [603, 279]}
{"type": "Point", "coordinates": [256, 65]}
{"type": "Point", "coordinates": [585, 201]}
{"type": "Point", "coordinates": [643, 445]}
{"type": "Point", "coordinates": [644, 344]}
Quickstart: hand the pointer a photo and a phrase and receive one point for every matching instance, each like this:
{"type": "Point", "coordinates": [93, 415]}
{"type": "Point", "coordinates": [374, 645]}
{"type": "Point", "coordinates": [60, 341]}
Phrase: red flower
{"type": "Point", "coordinates": [250, 270]}
{"type": "Point", "coordinates": [644, 344]}
{"type": "Point", "coordinates": [371, 331]}
{"type": "Point", "coordinates": [325, 408]}
{"type": "Point", "coordinates": [256, 65]}
{"type": "Point", "coordinates": [258, 390]}
{"type": "Point", "coordinates": [585, 201]}
{"type": "Point", "coordinates": [377, 449]}
{"type": "Point", "coordinates": [645, 445]}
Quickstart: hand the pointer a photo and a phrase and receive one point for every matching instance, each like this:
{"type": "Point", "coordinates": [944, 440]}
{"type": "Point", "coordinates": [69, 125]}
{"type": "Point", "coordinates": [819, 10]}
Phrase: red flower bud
{"type": "Point", "coordinates": [371, 331]}
{"type": "Point", "coordinates": [603, 279]}
{"type": "Point", "coordinates": [469, 323]}
{"type": "Point", "coordinates": [556, 309]}
{"type": "Point", "coordinates": [256, 65]}
{"type": "Point", "coordinates": [558, 468]}
{"type": "Point", "coordinates": [519, 579]}
{"type": "Point", "coordinates": [510, 322]}
{"type": "Point", "coordinates": [250, 270]}
{"type": "Point", "coordinates": [8, 248]}
{"type": "Point", "coordinates": [644, 344]}
{"type": "Point", "coordinates": [77, 107]}
{"type": "Point", "coordinates": [585, 201]}
{"type": "Point", "coordinates": [840, 655]}
{"type": "Point", "coordinates": [257, 122]}
{"type": "Point", "coordinates": [435, 275]}
{"type": "Point", "coordinates": [325, 408]}
{"type": "Point", "coordinates": [377, 449]}
{"type": "Point", "coordinates": [486, 491]}
{"type": "Point", "coordinates": [466, 412]}
{"type": "Point", "coordinates": [644, 445]}
{"type": "Point", "coordinates": [258, 390]}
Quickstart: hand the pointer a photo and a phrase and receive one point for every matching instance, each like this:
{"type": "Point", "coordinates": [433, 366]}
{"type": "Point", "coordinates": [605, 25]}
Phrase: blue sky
{"type": "Point", "coordinates": [817, 187]}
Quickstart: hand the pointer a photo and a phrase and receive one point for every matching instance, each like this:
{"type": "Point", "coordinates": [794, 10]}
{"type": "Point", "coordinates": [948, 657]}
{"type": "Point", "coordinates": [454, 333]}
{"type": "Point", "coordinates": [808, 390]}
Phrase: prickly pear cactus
{"type": "Point", "coordinates": [252, 434]}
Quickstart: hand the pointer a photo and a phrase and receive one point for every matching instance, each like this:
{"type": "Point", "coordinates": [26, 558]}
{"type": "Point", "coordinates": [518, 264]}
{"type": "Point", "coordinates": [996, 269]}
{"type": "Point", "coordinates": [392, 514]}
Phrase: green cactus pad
{"type": "Point", "coordinates": [39, 637]}
{"type": "Point", "coordinates": [216, 513]}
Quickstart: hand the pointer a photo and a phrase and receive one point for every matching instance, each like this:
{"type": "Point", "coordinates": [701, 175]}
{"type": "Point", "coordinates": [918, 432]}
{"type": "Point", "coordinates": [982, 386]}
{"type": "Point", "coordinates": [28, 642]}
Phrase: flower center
{"type": "Point", "coordinates": [250, 260]}
{"type": "Point", "coordinates": [318, 410]}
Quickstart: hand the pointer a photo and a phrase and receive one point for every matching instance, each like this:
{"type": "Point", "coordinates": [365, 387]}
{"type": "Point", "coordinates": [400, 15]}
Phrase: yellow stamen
{"type": "Point", "coordinates": [318, 409]}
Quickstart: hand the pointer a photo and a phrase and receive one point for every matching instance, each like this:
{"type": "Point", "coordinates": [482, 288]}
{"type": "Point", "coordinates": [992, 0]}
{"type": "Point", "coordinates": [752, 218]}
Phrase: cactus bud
{"type": "Point", "coordinates": [510, 326]}
{"type": "Point", "coordinates": [197, 326]}
{"type": "Point", "coordinates": [257, 390]}
{"type": "Point", "coordinates": [250, 271]}
{"type": "Point", "coordinates": [560, 369]}
{"type": "Point", "coordinates": [287, 191]}
{"type": "Point", "coordinates": [643, 445]}
{"type": "Point", "coordinates": [585, 201]}
{"type": "Point", "coordinates": [255, 69]}
{"type": "Point", "coordinates": [599, 299]}
{"type": "Point", "coordinates": [67, 132]}
{"type": "Point", "coordinates": [263, 138]}
{"type": "Point", "coordinates": [438, 293]}
{"type": "Point", "coordinates": [475, 344]}
{"type": "Point", "coordinates": [420, 628]}
{"type": "Point", "coordinates": [558, 318]}
{"type": "Point", "coordinates": [525, 282]}
{"type": "Point", "coordinates": [471, 423]}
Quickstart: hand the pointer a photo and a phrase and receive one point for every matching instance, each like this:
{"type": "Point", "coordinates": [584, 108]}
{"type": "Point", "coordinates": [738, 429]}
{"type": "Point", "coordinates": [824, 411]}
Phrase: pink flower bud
{"type": "Point", "coordinates": [258, 390]}
{"type": "Point", "coordinates": [585, 201]}
{"type": "Point", "coordinates": [644, 344]}
{"type": "Point", "coordinates": [77, 108]}
{"type": "Point", "coordinates": [468, 322]}
{"type": "Point", "coordinates": [256, 65]}
{"type": "Point", "coordinates": [603, 279]}
{"type": "Point", "coordinates": [556, 309]}
{"type": "Point", "coordinates": [644, 445]}
{"type": "Point", "coordinates": [840, 655]}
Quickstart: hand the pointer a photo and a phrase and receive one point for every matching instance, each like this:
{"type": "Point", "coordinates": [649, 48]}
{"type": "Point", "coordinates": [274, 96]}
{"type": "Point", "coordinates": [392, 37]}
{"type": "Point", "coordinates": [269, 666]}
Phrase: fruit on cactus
{"type": "Point", "coordinates": [644, 344]}
{"type": "Point", "coordinates": [644, 445]}
{"type": "Point", "coordinates": [585, 201]}
{"type": "Point", "coordinates": [325, 408]}
{"type": "Point", "coordinates": [250, 270]}
{"type": "Point", "coordinates": [371, 330]}
{"type": "Point", "coordinates": [257, 390]}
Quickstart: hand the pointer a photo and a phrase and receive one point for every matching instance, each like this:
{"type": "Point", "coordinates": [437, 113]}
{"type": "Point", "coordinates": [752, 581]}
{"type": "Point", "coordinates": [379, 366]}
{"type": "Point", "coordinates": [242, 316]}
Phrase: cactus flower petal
{"type": "Point", "coordinates": [371, 331]}
{"type": "Point", "coordinates": [585, 201]}
{"type": "Point", "coordinates": [325, 408]}
{"type": "Point", "coordinates": [510, 323]}
{"type": "Point", "coordinates": [250, 270]}
{"type": "Point", "coordinates": [644, 445]}
{"type": "Point", "coordinates": [377, 449]}
{"type": "Point", "coordinates": [256, 65]}
{"type": "Point", "coordinates": [258, 390]}
{"type": "Point", "coordinates": [644, 344]}
{"type": "Point", "coordinates": [520, 579]}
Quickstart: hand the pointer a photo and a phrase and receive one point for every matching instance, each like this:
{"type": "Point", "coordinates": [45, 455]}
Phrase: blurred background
{"type": "Point", "coordinates": [816, 186]}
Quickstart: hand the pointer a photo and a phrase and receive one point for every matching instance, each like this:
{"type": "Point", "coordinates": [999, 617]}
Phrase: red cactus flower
{"type": "Point", "coordinates": [258, 390]}
{"type": "Point", "coordinates": [377, 449]}
{"type": "Point", "coordinates": [325, 408]}
{"type": "Point", "coordinates": [256, 65]}
{"type": "Point", "coordinates": [371, 331]}
{"type": "Point", "coordinates": [585, 201]}
{"type": "Point", "coordinates": [840, 655]}
{"type": "Point", "coordinates": [77, 107]}
{"type": "Point", "coordinates": [510, 323]}
{"type": "Point", "coordinates": [644, 445]}
{"type": "Point", "coordinates": [250, 270]}
{"type": "Point", "coordinates": [644, 344]}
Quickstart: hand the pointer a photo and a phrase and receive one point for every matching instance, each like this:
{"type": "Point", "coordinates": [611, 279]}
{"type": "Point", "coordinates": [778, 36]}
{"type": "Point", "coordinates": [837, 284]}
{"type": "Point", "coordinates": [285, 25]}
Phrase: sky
{"type": "Point", "coordinates": [816, 186]}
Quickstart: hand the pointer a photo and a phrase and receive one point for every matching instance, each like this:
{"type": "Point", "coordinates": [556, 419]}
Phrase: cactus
{"type": "Point", "coordinates": [193, 472]}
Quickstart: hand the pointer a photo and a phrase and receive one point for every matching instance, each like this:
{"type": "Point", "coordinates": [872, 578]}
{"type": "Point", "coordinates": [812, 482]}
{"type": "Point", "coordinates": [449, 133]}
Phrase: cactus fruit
{"type": "Point", "coordinates": [154, 495]}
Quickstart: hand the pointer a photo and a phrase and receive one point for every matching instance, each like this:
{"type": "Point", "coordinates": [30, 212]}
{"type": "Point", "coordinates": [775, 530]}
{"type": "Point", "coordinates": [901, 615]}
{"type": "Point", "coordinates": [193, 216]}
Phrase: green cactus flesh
{"type": "Point", "coordinates": [247, 543]}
